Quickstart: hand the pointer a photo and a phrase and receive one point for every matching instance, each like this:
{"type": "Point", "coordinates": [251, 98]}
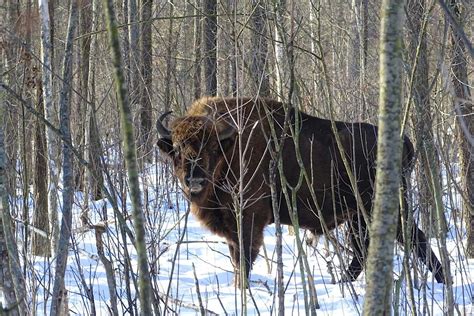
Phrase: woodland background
{"type": "Point", "coordinates": [62, 160]}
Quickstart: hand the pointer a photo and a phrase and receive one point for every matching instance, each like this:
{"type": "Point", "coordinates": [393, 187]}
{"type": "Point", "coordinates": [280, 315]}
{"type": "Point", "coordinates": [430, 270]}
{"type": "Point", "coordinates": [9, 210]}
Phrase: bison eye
{"type": "Point", "coordinates": [176, 151]}
{"type": "Point", "coordinates": [176, 154]}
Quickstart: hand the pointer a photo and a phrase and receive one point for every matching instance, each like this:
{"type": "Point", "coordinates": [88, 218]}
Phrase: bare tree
{"type": "Point", "coordinates": [11, 289]}
{"type": "Point", "coordinates": [281, 59]}
{"type": "Point", "coordinates": [58, 303]}
{"type": "Point", "coordinates": [147, 75]}
{"type": "Point", "coordinates": [85, 24]}
{"type": "Point", "coordinates": [197, 50]}
{"type": "Point", "coordinates": [210, 46]}
{"type": "Point", "coordinates": [389, 155]}
{"type": "Point", "coordinates": [259, 50]}
{"type": "Point", "coordinates": [40, 242]}
{"type": "Point", "coordinates": [135, 57]}
{"type": "Point", "coordinates": [50, 113]}
{"type": "Point", "coordinates": [92, 145]}
{"type": "Point", "coordinates": [170, 63]}
{"type": "Point", "coordinates": [463, 106]}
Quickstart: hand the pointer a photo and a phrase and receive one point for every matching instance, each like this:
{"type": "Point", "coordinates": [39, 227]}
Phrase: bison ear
{"type": "Point", "coordinates": [226, 133]}
{"type": "Point", "coordinates": [165, 145]}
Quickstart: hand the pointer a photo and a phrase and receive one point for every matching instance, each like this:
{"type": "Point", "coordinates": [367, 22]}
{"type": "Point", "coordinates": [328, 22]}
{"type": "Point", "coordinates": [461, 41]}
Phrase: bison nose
{"type": "Point", "coordinates": [195, 185]}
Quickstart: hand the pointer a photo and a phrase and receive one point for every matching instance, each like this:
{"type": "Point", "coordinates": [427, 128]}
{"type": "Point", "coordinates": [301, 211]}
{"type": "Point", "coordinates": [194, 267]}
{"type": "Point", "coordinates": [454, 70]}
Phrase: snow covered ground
{"type": "Point", "coordinates": [188, 262]}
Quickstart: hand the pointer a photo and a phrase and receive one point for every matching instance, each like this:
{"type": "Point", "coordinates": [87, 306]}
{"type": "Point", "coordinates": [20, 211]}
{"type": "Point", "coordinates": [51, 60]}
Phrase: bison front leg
{"type": "Point", "coordinates": [251, 243]}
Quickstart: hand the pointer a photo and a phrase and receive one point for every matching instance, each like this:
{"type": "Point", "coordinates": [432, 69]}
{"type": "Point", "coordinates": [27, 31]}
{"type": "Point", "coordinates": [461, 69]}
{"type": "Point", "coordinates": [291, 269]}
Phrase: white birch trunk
{"type": "Point", "coordinates": [389, 157]}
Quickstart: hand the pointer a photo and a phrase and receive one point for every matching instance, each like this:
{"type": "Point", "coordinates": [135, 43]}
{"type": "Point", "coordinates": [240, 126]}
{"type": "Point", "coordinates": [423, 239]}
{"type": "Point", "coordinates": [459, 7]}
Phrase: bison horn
{"type": "Point", "coordinates": [162, 130]}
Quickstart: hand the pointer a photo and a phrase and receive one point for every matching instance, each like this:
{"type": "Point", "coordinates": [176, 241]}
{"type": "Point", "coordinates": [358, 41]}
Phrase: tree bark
{"type": "Point", "coordinates": [170, 63]}
{"type": "Point", "coordinates": [135, 58]}
{"type": "Point", "coordinates": [259, 74]}
{"type": "Point", "coordinates": [59, 297]}
{"type": "Point", "coordinates": [210, 46]}
{"type": "Point", "coordinates": [389, 154]}
{"type": "Point", "coordinates": [40, 243]}
{"type": "Point", "coordinates": [463, 107]}
{"type": "Point", "coordinates": [93, 147]}
{"type": "Point", "coordinates": [85, 27]}
{"type": "Point", "coordinates": [50, 114]}
{"type": "Point", "coordinates": [197, 50]}
{"type": "Point", "coordinates": [147, 87]}
{"type": "Point", "coordinates": [12, 286]}
{"type": "Point", "coordinates": [145, 289]}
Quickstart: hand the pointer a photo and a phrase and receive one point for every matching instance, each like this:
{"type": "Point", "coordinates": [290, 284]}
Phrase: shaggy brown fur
{"type": "Point", "coordinates": [218, 163]}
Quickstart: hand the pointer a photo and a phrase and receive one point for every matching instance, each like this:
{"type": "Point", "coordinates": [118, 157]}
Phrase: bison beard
{"type": "Point", "coordinates": [204, 146]}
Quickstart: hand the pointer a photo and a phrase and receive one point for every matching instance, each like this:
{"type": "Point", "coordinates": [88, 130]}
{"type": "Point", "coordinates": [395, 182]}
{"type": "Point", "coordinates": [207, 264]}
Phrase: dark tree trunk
{"type": "Point", "coordinates": [40, 243]}
{"type": "Point", "coordinates": [197, 50]}
{"type": "Point", "coordinates": [210, 46]}
{"type": "Point", "coordinates": [170, 63]}
{"type": "Point", "coordinates": [85, 27]}
{"type": "Point", "coordinates": [146, 93]}
{"type": "Point", "coordinates": [464, 108]}
{"type": "Point", "coordinates": [260, 50]}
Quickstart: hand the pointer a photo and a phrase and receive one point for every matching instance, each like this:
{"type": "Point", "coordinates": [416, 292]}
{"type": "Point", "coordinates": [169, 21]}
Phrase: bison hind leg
{"type": "Point", "coordinates": [424, 252]}
{"type": "Point", "coordinates": [359, 239]}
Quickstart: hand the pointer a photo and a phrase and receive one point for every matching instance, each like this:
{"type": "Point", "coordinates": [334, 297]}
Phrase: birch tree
{"type": "Point", "coordinates": [389, 153]}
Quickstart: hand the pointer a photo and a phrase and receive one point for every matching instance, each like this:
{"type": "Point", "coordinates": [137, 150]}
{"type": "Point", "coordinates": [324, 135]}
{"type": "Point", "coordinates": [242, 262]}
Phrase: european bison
{"type": "Point", "coordinates": [219, 164]}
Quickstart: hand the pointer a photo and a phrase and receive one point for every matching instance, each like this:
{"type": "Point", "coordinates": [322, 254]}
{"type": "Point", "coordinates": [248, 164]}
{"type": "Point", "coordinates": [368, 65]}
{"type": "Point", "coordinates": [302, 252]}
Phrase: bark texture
{"type": "Point", "coordinates": [463, 107]}
{"type": "Point", "coordinates": [260, 50]}
{"type": "Point", "coordinates": [40, 243]}
{"type": "Point", "coordinates": [389, 150]}
{"type": "Point", "coordinates": [210, 46]}
{"type": "Point", "coordinates": [7, 284]}
{"type": "Point", "coordinates": [197, 51]}
{"type": "Point", "coordinates": [50, 114]}
{"type": "Point", "coordinates": [146, 145]}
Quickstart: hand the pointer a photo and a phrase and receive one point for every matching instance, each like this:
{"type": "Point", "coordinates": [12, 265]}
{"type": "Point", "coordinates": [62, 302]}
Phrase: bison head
{"type": "Point", "coordinates": [197, 147]}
